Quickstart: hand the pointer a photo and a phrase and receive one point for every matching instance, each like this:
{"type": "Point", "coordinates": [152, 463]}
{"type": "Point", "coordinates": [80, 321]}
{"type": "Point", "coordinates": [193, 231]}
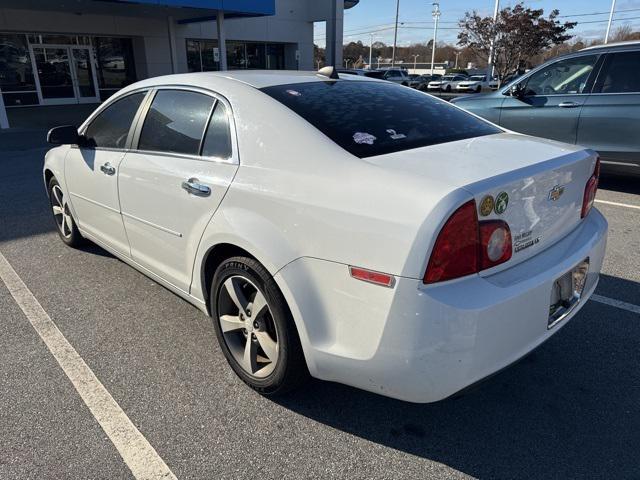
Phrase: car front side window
{"type": "Point", "coordinates": [110, 128]}
{"type": "Point", "coordinates": [175, 122]}
{"type": "Point", "coordinates": [564, 77]}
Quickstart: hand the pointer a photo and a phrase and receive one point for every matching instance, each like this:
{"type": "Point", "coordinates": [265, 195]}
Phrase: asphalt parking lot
{"type": "Point", "coordinates": [570, 410]}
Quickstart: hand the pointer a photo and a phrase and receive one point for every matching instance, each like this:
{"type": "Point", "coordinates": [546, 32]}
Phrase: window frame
{"type": "Point", "coordinates": [234, 159]}
{"type": "Point", "coordinates": [607, 59]}
{"type": "Point", "coordinates": [112, 100]}
{"type": "Point", "coordinates": [591, 80]}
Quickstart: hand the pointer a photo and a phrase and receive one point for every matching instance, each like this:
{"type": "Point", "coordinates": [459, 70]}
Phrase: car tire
{"type": "Point", "coordinates": [447, 89]}
{"type": "Point", "coordinates": [478, 89]}
{"type": "Point", "coordinates": [65, 223]}
{"type": "Point", "coordinates": [276, 363]}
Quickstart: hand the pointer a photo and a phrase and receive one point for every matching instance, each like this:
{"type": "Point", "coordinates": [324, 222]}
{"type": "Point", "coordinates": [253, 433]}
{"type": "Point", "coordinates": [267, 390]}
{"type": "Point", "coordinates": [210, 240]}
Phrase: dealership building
{"type": "Point", "coordinates": [57, 52]}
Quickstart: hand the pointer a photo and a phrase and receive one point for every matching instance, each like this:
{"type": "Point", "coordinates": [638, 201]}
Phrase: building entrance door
{"type": "Point", "coordinates": [64, 74]}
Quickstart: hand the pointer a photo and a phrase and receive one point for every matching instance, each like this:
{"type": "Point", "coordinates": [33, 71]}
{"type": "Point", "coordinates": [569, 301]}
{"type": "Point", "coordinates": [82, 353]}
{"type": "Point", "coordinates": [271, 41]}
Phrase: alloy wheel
{"type": "Point", "coordinates": [61, 212]}
{"type": "Point", "coordinates": [247, 326]}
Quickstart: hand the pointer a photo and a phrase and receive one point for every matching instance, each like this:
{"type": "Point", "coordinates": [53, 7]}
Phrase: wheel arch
{"type": "Point", "coordinates": [212, 259]}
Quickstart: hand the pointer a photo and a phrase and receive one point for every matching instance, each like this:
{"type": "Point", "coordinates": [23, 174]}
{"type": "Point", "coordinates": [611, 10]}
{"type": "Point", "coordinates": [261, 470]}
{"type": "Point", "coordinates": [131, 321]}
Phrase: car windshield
{"type": "Point", "coordinates": [477, 78]}
{"type": "Point", "coordinates": [448, 77]}
{"type": "Point", "coordinates": [369, 118]}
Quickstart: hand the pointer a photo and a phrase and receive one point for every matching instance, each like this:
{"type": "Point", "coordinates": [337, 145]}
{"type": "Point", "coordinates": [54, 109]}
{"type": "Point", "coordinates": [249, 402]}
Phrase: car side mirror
{"type": "Point", "coordinates": [517, 90]}
{"type": "Point", "coordinates": [64, 135]}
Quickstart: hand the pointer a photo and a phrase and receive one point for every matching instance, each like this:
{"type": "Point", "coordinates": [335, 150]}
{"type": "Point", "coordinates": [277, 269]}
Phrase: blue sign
{"type": "Point", "coordinates": [241, 7]}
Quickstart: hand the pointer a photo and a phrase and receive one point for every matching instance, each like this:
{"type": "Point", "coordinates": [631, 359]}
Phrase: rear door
{"type": "Point", "coordinates": [610, 120]}
{"type": "Point", "coordinates": [182, 161]}
{"type": "Point", "coordinates": [553, 99]}
{"type": "Point", "coordinates": [91, 172]}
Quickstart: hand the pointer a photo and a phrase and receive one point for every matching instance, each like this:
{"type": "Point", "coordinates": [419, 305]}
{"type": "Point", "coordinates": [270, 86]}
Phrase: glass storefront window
{"type": "Point", "coordinates": [201, 56]}
{"type": "Point", "coordinates": [256, 55]}
{"type": "Point", "coordinates": [275, 56]}
{"type": "Point", "coordinates": [240, 56]}
{"type": "Point", "coordinates": [236, 57]}
{"type": "Point", "coordinates": [56, 39]}
{"type": "Point", "coordinates": [16, 72]}
{"type": "Point", "coordinates": [116, 66]}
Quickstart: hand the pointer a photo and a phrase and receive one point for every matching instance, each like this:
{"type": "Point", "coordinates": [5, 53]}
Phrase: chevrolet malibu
{"type": "Point", "coordinates": [349, 229]}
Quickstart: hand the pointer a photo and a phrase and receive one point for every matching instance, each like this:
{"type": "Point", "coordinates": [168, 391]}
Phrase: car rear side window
{"type": "Point", "coordinates": [175, 122]}
{"type": "Point", "coordinates": [369, 118]}
{"type": "Point", "coordinates": [217, 140]}
{"type": "Point", "coordinates": [621, 73]}
{"type": "Point", "coordinates": [111, 127]}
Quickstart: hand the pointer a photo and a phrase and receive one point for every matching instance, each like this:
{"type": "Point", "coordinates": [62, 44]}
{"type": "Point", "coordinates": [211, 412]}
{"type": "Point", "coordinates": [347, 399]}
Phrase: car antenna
{"type": "Point", "coordinates": [329, 72]}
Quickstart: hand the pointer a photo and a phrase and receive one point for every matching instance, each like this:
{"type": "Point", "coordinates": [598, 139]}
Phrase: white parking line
{"type": "Point", "coordinates": [137, 453]}
{"type": "Point", "coordinates": [616, 204]}
{"type": "Point", "coordinates": [629, 307]}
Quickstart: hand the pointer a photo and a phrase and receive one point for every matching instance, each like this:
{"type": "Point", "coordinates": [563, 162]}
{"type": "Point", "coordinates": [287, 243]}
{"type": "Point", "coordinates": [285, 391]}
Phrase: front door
{"type": "Point", "coordinates": [172, 184]}
{"type": "Point", "coordinates": [552, 101]}
{"type": "Point", "coordinates": [65, 74]}
{"type": "Point", "coordinates": [91, 173]}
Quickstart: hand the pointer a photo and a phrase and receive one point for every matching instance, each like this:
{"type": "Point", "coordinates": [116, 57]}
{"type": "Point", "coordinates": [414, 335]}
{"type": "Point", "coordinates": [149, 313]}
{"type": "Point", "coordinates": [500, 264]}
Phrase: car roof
{"type": "Point", "coordinates": [253, 78]}
{"type": "Point", "coordinates": [630, 43]}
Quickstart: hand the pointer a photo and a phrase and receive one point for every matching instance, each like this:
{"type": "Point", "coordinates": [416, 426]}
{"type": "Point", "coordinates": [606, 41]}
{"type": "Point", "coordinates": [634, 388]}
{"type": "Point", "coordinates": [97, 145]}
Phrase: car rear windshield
{"type": "Point", "coordinates": [377, 118]}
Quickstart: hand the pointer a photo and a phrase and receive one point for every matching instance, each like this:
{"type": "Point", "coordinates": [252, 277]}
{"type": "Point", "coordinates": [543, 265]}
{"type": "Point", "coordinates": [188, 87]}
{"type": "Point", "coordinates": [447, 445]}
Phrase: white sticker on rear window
{"type": "Point", "coordinates": [295, 93]}
{"type": "Point", "coordinates": [396, 136]}
{"type": "Point", "coordinates": [360, 138]}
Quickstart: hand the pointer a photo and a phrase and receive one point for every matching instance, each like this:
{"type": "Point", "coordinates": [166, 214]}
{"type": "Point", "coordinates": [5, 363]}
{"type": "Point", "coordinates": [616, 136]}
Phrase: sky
{"type": "Point", "coordinates": [372, 15]}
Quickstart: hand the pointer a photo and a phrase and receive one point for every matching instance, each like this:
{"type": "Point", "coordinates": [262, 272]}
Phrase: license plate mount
{"type": "Point", "coordinates": [566, 293]}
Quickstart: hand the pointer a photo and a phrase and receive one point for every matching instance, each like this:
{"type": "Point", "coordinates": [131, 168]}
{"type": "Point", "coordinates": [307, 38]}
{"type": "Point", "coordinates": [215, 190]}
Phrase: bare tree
{"type": "Point", "coordinates": [519, 34]}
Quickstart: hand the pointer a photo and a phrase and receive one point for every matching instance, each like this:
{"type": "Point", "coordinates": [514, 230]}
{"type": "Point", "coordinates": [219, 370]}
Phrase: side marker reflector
{"type": "Point", "coordinates": [370, 276]}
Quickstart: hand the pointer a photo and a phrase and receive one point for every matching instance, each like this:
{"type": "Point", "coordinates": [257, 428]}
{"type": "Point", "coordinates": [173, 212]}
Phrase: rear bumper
{"type": "Point", "coordinates": [424, 343]}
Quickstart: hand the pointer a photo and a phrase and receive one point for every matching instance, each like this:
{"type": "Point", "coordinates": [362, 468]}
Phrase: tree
{"type": "Point", "coordinates": [519, 34]}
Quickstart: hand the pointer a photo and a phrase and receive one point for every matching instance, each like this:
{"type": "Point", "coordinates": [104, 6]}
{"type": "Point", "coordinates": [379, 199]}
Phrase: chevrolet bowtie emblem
{"type": "Point", "coordinates": [556, 192]}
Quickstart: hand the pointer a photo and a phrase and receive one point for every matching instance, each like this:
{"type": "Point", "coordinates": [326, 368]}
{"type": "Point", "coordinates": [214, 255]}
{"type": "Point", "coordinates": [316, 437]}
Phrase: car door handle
{"type": "Point", "coordinates": [568, 105]}
{"type": "Point", "coordinates": [108, 169]}
{"type": "Point", "coordinates": [194, 187]}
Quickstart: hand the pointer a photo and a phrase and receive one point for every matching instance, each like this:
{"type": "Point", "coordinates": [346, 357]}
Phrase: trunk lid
{"type": "Point", "coordinates": [536, 186]}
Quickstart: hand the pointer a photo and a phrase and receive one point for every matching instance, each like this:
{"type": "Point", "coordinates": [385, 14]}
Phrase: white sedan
{"type": "Point", "coordinates": [350, 229]}
{"type": "Point", "coordinates": [475, 83]}
{"type": "Point", "coordinates": [447, 83]}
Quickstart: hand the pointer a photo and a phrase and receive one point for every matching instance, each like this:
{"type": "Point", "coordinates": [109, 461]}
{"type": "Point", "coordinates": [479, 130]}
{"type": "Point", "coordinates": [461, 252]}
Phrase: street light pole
{"type": "Point", "coordinates": [436, 16]}
{"type": "Point", "coordinates": [457, 55]}
{"type": "Point", "coordinates": [370, 50]}
{"type": "Point", "coordinates": [415, 61]}
{"type": "Point", "coordinates": [491, 47]}
{"type": "Point", "coordinates": [395, 35]}
{"type": "Point", "coordinates": [613, 7]}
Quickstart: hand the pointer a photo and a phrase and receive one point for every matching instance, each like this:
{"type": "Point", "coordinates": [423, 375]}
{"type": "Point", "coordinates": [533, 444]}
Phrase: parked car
{"type": "Point", "coordinates": [396, 75]}
{"type": "Point", "coordinates": [495, 83]}
{"type": "Point", "coordinates": [447, 83]}
{"type": "Point", "coordinates": [589, 98]}
{"type": "Point", "coordinates": [422, 81]}
{"type": "Point", "coordinates": [475, 83]}
{"type": "Point", "coordinates": [349, 228]}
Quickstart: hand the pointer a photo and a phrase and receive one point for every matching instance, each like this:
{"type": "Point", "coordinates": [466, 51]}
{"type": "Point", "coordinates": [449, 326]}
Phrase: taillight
{"type": "Point", "coordinates": [455, 252]}
{"type": "Point", "coordinates": [495, 243]}
{"type": "Point", "coordinates": [590, 190]}
{"type": "Point", "coordinates": [465, 246]}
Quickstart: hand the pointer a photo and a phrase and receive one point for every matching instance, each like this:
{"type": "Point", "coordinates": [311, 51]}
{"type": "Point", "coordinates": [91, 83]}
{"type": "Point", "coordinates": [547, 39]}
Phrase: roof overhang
{"type": "Point", "coordinates": [184, 11]}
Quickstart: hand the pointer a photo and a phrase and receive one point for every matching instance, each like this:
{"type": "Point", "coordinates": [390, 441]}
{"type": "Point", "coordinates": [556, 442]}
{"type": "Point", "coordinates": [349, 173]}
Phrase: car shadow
{"type": "Point", "coordinates": [570, 409]}
{"type": "Point", "coordinates": [619, 183]}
